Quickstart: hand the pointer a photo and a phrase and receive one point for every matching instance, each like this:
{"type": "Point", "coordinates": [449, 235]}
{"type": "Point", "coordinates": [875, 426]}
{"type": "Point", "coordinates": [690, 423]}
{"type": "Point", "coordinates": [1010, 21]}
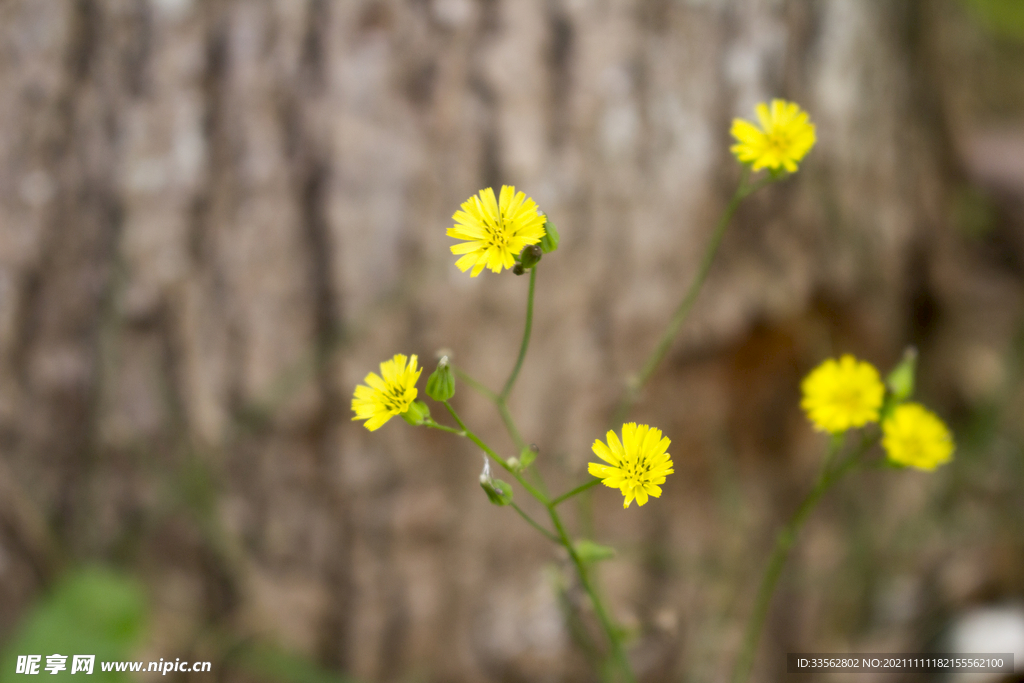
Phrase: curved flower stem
{"type": "Point", "coordinates": [579, 489]}
{"type": "Point", "coordinates": [683, 310]}
{"type": "Point", "coordinates": [507, 389]}
{"type": "Point", "coordinates": [784, 543]}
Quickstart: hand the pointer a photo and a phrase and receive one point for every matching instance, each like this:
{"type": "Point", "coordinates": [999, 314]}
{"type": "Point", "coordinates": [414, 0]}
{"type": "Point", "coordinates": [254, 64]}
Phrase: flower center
{"type": "Point", "coordinates": [778, 142]}
{"type": "Point", "coordinates": [848, 399]}
{"type": "Point", "coordinates": [637, 470]}
{"type": "Point", "coordinates": [497, 232]}
{"type": "Point", "coordinates": [393, 399]}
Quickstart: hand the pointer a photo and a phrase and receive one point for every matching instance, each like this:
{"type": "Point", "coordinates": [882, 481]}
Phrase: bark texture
{"type": "Point", "coordinates": [216, 216]}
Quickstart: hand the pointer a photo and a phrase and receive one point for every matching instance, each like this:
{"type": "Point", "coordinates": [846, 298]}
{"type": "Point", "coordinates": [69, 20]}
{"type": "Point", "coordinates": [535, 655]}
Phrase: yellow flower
{"type": "Point", "coordinates": [636, 465]}
{"type": "Point", "coordinates": [785, 137]}
{"type": "Point", "coordinates": [914, 436]}
{"type": "Point", "coordinates": [844, 394]}
{"type": "Point", "coordinates": [387, 397]}
{"type": "Point", "coordinates": [496, 230]}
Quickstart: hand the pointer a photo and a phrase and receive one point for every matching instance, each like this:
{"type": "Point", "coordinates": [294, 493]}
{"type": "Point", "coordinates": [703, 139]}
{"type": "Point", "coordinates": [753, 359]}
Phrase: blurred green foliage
{"type": "Point", "coordinates": [91, 611]}
{"type": "Point", "coordinates": [270, 663]}
{"type": "Point", "coordinates": [1005, 17]}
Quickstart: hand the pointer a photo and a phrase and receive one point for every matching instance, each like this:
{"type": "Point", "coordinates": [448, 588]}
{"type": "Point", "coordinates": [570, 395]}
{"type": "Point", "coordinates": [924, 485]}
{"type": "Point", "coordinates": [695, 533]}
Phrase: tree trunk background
{"type": "Point", "coordinates": [216, 216]}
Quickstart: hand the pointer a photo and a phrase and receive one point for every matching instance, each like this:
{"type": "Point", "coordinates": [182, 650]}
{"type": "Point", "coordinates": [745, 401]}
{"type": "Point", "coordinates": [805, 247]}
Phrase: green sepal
{"type": "Point", "coordinates": [549, 242]}
{"type": "Point", "coordinates": [498, 492]}
{"type": "Point", "coordinates": [417, 414]}
{"type": "Point", "coordinates": [441, 383]}
{"type": "Point", "coordinates": [590, 552]}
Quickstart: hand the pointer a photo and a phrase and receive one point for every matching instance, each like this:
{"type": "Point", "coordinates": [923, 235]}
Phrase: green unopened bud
{"type": "Point", "coordinates": [549, 242]}
{"type": "Point", "coordinates": [901, 380]}
{"type": "Point", "coordinates": [498, 491]}
{"type": "Point", "coordinates": [527, 456]}
{"type": "Point", "coordinates": [441, 383]}
{"type": "Point", "coordinates": [530, 256]}
{"type": "Point", "coordinates": [417, 414]}
{"type": "Point", "coordinates": [590, 552]}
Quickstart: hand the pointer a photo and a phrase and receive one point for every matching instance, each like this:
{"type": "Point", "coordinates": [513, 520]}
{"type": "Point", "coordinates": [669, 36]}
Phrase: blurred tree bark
{"type": "Point", "coordinates": [217, 215]}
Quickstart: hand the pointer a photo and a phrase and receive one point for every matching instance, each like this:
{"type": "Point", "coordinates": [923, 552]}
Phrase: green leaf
{"type": "Point", "coordinates": [91, 611]}
{"type": "Point", "coordinates": [590, 552]}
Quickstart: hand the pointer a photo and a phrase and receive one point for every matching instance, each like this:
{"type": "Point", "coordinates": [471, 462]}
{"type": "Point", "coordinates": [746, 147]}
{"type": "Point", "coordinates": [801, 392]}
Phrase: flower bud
{"type": "Point", "coordinates": [530, 256]}
{"type": "Point", "coordinates": [527, 456]}
{"type": "Point", "coordinates": [417, 414]}
{"type": "Point", "coordinates": [517, 269]}
{"type": "Point", "coordinates": [901, 380]}
{"type": "Point", "coordinates": [549, 242]}
{"type": "Point", "coordinates": [498, 491]}
{"type": "Point", "coordinates": [441, 383]}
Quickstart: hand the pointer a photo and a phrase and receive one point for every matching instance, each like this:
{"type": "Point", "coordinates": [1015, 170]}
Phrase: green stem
{"type": "Point", "coordinates": [475, 384]}
{"type": "Point", "coordinates": [510, 424]}
{"type": "Point", "coordinates": [507, 389]}
{"type": "Point", "coordinates": [784, 543]}
{"type": "Point", "coordinates": [683, 310]}
{"type": "Point", "coordinates": [536, 525]}
{"type": "Point", "coordinates": [614, 638]}
{"type": "Point", "coordinates": [444, 428]}
{"type": "Point", "coordinates": [466, 432]}
{"type": "Point", "coordinates": [500, 404]}
{"type": "Point", "coordinates": [579, 489]}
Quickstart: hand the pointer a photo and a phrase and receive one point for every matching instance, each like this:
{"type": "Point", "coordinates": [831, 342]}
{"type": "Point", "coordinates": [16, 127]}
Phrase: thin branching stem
{"type": "Point", "coordinates": [499, 402]}
{"type": "Point", "coordinates": [636, 384]}
{"type": "Point", "coordinates": [613, 634]}
{"type": "Point", "coordinates": [532, 490]}
{"type": "Point", "coordinates": [579, 489]}
{"type": "Point", "coordinates": [784, 543]}
{"type": "Point", "coordinates": [536, 525]}
{"type": "Point", "coordinates": [475, 384]}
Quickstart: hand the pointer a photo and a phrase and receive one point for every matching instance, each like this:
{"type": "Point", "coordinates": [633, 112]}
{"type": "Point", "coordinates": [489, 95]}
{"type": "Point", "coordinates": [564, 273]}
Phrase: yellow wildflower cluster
{"type": "Point", "coordinates": [845, 394]}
